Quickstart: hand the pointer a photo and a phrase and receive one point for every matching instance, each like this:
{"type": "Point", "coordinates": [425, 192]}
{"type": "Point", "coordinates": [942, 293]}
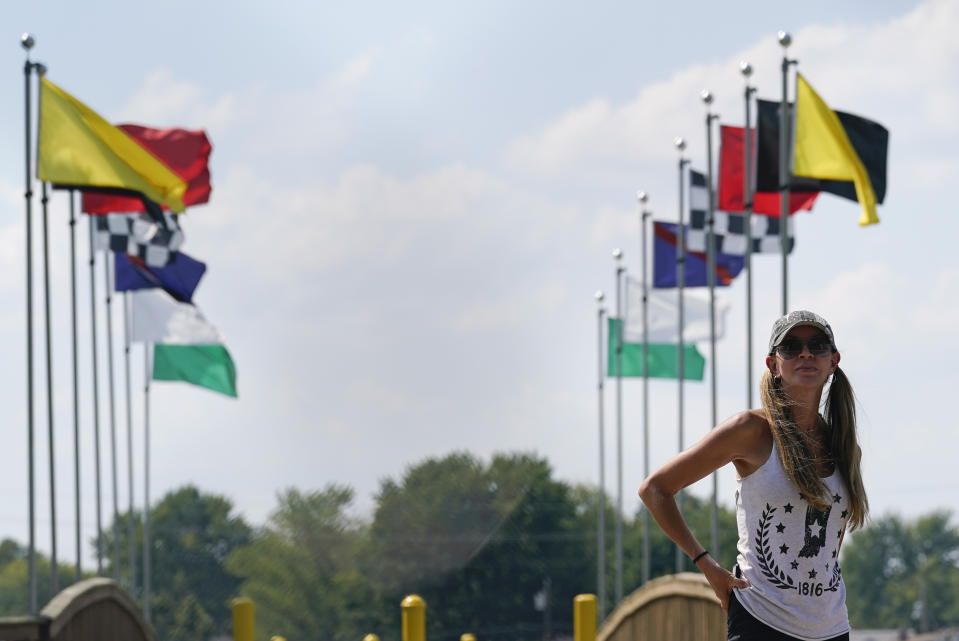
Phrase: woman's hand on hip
{"type": "Point", "coordinates": [721, 580]}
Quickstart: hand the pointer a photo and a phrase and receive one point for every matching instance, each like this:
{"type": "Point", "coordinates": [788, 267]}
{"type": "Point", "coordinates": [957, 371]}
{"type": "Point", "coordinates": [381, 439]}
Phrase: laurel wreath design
{"type": "Point", "coordinates": [835, 578]}
{"type": "Point", "coordinates": [767, 564]}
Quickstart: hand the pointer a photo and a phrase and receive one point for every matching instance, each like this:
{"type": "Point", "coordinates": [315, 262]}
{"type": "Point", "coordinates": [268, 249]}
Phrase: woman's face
{"type": "Point", "coordinates": [806, 369]}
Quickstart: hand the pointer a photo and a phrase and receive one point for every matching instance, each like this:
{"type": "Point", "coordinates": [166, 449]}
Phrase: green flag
{"type": "Point", "coordinates": [663, 358]}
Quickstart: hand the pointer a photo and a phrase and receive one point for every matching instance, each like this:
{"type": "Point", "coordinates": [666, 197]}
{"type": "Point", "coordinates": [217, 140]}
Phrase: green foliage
{"type": "Point", "coordinates": [903, 574]}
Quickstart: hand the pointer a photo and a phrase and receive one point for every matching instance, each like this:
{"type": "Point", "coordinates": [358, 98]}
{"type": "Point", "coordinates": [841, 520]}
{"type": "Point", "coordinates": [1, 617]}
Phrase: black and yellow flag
{"type": "Point", "coordinates": [822, 149]}
{"type": "Point", "coordinates": [78, 148]}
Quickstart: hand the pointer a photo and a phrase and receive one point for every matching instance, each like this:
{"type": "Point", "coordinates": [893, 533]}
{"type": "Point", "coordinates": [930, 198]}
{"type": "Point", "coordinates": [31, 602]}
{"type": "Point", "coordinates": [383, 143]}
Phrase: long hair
{"type": "Point", "coordinates": [840, 432]}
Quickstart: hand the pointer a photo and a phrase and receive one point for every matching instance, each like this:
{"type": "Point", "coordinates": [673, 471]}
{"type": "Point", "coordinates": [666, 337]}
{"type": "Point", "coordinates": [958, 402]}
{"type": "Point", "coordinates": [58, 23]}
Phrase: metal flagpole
{"type": "Point", "coordinates": [113, 420]}
{"type": "Point", "coordinates": [76, 376]}
{"type": "Point", "coordinates": [54, 566]}
{"type": "Point", "coordinates": [96, 396]}
{"type": "Point", "coordinates": [747, 70]}
{"type": "Point", "coordinates": [711, 269]}
{"type": "Point", "coordinates": [601, 504]}
{"type": "Point", "coordinates": [784, 40]}
{"type": "Point", "coordinates": [680, 281]}
{"type": "Point", "coordinates": [131, 543]}
{"type": "Point", "coordinates": [618, 255]}
{"type": "Point", "coordinates": [147, 577]}
{"type": "Point", "coordinates": [27, 42]}
{"type": "Point", "coordinates": [643, 215]}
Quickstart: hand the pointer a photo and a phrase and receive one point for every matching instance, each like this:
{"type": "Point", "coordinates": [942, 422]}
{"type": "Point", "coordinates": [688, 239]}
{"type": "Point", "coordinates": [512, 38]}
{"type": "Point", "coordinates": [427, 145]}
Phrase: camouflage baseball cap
{"type": "Point", "coordinates": [795, 319]}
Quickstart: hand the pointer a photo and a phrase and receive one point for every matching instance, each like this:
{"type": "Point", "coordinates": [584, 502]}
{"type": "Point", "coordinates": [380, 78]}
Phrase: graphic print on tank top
{"type": "Point", "coordinates": [814, 568]}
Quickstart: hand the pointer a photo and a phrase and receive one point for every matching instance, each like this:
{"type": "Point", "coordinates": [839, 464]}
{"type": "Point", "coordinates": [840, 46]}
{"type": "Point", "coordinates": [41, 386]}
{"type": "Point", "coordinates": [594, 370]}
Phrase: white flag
{"type": "Point", "coordinates": [664, 315]}
{"type": "Point", "coordinates": [159, 318]}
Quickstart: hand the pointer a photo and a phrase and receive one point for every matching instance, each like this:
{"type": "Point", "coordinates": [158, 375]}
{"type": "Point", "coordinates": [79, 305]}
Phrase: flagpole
{"type": "Point", "coordinates": [618, 256]}
{"type": "Point", "coordinates": [131, 544]}
{"type": "Point", "coordinates": [784, 40]}
{"type": "Point", "coordinates": [711, 270]}
{"type": "Point", "coordinates": [147, 577]}
{"type": "Point", "coordinates": [747, 71]}
{"type": "Point", "coordinates": [680, 281]}
{"type": "Point", "coordinates": [27, 41]}
{"type": "Point", "coordinates": [601, 506]}
{"type": "Point", "coordinates": [642, 197]}
{"type": "Point", "coordinates": [113, 420]}
{"type": "Point", "coordinates": [96, 397]}
{"type": "Point", "coordinates": [76, 376]}
{"type": "Point", "coordinates": [55, 578]}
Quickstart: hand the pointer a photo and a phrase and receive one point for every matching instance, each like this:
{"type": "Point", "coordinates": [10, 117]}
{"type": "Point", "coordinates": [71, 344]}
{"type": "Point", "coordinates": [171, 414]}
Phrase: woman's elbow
{"type": "Point", "coordinates": [649, 491]}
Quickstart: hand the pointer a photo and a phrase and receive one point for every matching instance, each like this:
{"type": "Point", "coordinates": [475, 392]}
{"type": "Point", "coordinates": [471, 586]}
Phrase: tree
{"type": "Point", "coordinates": [903, 574]}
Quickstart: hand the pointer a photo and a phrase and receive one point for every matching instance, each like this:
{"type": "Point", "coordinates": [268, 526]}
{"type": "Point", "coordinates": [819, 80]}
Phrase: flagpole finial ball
{"type": "Point", "coordinates": [785, 39]}
{"type": "Point", "coordinates": [27, 41]}
{"type": "Point", "coordinates": [707, 96]}
{"type": "Point", "coordinates": [746, 68]}
{"type": "Point", "coordinates": [41, 69]}
{"type": "Point", "coordinates": [679, 142]}
{"type": "Point", "coordinates": [617, 253]}
{"type": "Point", "coordinates": [642, 196]}
{"type": "Point", "coordinates": [599, 296]}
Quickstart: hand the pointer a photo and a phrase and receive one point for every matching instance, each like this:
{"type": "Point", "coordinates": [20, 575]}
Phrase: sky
{"type": "Point", "coordinates": [413, 208]}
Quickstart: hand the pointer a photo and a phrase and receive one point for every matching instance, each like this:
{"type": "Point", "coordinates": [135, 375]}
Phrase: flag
{"type": "Point", "coordinates": [731, 179]}
{"type": "Point", "coordinates": [139, 235]}
{"type": "Point", "coordinates": [78, 148]}
{"type": "Point", "coordinates": [822, 149]}
{"type": "Point", "coordinates": [179, 278]}
{"type": "Point", "coordinates": [729, 230]}
{"type": "Point", "coordinates": [663, 312]}
{"type": "Point", "coordinates": [186, 153]}
{"type": "Point", "coordinates": [728, 266]}
{"type": "Point", "coordinates": [663, 358]}
{"type": "Point", "coordinates": [868, 138]}
{"type": "Point", "coordinates": [186, 346]}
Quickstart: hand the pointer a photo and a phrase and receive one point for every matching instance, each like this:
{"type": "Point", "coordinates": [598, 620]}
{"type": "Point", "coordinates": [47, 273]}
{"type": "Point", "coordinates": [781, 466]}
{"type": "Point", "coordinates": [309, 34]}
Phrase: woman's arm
{"type": "Point", "coordinates": [740, 438]}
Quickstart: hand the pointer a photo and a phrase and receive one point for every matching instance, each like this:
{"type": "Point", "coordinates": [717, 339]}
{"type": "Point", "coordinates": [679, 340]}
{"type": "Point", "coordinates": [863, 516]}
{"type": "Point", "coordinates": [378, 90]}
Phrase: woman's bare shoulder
{"type": "Point", "coordinates": [749, 432]}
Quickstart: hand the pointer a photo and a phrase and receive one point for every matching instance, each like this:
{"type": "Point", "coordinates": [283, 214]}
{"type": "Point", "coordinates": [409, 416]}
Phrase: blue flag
{"type": "Point", "coordinates": [728, 266]}
{"type": "Point", "coordinates": [179, 277]}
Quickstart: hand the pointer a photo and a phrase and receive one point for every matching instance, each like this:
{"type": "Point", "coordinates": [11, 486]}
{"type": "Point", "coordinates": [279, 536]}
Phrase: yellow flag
{"type": "Point", "coordinates": [79, 148]}
{"type": "Point", "coordinates": [823, 150]}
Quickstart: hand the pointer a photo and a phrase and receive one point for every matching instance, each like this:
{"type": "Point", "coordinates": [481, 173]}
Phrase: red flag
{"type": "Point", "coordinates": [185, 152]}
{"type": "Point", "coordinates": [731, 181]}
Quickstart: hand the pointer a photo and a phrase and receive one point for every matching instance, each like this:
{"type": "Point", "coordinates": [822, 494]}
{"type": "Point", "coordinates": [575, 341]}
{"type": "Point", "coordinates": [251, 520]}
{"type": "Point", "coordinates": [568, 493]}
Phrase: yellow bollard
{"type": "Point", "coordinates": [414, 618]}
{"type": "Point", "coordinates": [467, 637]}
{"type": "Point", "coordinates": [371, 637]}
{"type": "Point", "coordinates": [242, 619]}
{"type": "Point", "coordinates": [584, 617]}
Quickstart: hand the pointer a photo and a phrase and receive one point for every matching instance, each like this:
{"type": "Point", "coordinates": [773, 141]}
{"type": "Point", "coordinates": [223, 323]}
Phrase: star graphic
{"type": "Point", "coordinates": [794, 565]}
{"type": "Point", "coordinates": [836, 498]}
{"type": "Point", "coordinates": [788, 508]}
{"type": "Point", "coordinates": [784, 548]}
{"type": "Point", "coordinates": [844, 513]}
{"type": "Point", "coordinates": [780, 528]}
{"type": "Point", "coordinates": [839, 534]}
{"type": "Point", "coordinates": [827, 567]}
{"type": "Point", "coordinates": [812, 574]}
{"type": "Point", "coordinates": [834, 554]}
{"type": "Point", "coordinates": [815, 530]}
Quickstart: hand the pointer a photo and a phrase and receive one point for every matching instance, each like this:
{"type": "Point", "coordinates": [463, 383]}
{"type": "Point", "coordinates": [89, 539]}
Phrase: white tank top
{"type": "Point", "coordinates": [789, 553]}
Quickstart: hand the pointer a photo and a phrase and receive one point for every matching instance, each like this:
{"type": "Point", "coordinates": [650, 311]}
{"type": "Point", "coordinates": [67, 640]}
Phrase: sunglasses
{"type": "Point", "coordinates": [790, 348]}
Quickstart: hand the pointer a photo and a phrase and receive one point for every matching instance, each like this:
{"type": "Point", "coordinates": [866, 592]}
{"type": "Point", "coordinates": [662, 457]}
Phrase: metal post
{"type": "Point", "coordinates": [642, 197]}
{"type": "Point", "coordinates": [131, 543]}
{"type": "Point", "coordinates": [784, 40]}
{"type": "Point", "coordinates": [747, 71]}
{"type": "Point", "coordinates": [601, 503]}
{"type": "Point", "coordinates": [618, 256]}
{"type": "Point", "coordinates": [54, 566]}
{"type": "Point", "coordinates": [711, 278]}
{"type": "Point", "coordinates": [680, 282]}
{"type": "Point", "coordinates": [147, 576]}
{"type": "Point", "coordinates": [27, 41]}
{"type": "Point", "coordinates": [96, 397]}
{"type": "Point", "coordinates": [113, 420]}
{"type": "Point", "coordinates": [76, 376]}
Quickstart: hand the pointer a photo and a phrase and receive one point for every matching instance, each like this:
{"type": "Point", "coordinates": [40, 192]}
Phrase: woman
{"type": "Point", "coordinates": [798, 488]}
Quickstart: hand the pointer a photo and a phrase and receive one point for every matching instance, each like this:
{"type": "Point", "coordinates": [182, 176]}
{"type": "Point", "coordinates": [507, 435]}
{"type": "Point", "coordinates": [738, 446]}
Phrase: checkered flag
{"type": "Point", "coordinates": [139, 235]}
{"type": "Point", "coordinates": [729, 230]}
